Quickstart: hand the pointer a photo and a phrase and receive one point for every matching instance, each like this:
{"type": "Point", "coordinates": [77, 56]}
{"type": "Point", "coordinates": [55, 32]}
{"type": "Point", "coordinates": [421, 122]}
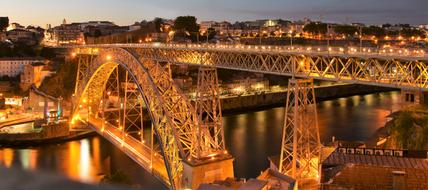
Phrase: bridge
{"type": "Point", "coordinates": [184, 147]}
{"type": "Point", "coordinates": [396, 68]}
{"type": "Point", "coordinates": [184, 144]}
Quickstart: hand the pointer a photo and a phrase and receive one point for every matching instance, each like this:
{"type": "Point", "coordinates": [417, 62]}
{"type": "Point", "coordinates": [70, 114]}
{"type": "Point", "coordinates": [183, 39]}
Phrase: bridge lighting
{"type": "Point", "coordinates": [80, 106]}
{"type": "Point", "coordinates": [108, 57]}
{"type": "Point", "coordinates": [73, 54]}
{"type": "Point", "coordinates": [225, 152]}
{"type": "Point", "coordinates": [143, 141]}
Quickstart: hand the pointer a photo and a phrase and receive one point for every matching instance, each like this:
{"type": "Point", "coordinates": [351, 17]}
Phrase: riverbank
{"type": "Point", "coordinates": [48, 134]}
{"type": "Point", "coordinates": [277, 99]}
{"type": "Point", "coordinates": [407, 129]}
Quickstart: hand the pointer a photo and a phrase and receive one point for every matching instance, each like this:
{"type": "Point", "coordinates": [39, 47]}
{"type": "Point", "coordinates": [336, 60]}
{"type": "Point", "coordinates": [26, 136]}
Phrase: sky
{"type": "Point", "coordinates": [126, 12]}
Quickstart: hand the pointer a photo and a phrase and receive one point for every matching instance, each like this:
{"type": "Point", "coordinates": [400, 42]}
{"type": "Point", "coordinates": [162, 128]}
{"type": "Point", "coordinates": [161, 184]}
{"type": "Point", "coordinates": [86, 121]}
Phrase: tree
{"type": "Point", "coordinates": [346, 30]}
{"type": "Point", "coordinates": [187, 27]}
{"type": "Point", "coordinates": [211, 33]}
{"type": "Point", "coordinates": [47, 53]}
{"type": "Point", "coordinates": [408, 32]}
{"type": "Point", "coordinates": [97, 33]}
{"type": "Point", "coordinates": [315, 28]}
{"type": "Point", "coordinates": [374, 31]}
{"type": "Point", "coordinates": [158, 23]}
{"type": "Point", "coordinates": [186, 23]}
{"type": "Point", "coordinates": [4, 23]}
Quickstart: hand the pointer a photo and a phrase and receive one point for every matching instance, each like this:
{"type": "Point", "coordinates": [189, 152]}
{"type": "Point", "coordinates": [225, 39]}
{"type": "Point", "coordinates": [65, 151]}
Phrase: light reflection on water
{"type": "Point", "coordinates": [250, 137]}
{"type": "Point", "coordinates": [85, 160]}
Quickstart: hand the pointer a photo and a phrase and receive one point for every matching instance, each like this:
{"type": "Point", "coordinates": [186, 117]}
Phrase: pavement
{"type": "Point", "coordinates": [17, 179]}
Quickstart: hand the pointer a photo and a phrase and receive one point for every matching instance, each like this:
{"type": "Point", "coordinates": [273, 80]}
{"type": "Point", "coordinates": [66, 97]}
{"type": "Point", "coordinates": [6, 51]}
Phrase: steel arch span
{"type": "Point", "coordinates": [174, 119]}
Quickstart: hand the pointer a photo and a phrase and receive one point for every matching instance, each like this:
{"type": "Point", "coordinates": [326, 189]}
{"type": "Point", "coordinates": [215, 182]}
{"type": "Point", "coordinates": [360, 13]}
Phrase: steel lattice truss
{"type": "Point", "coordinates": [133, 110]}
{"type": "Point", "coordinates": [301, 148]}
{"type": "Point", "coordinates": [208, 108]}
{"type": "Point", "coordinates": [380, 71]}
{"type": "Point", "coordinates": [174, 119]}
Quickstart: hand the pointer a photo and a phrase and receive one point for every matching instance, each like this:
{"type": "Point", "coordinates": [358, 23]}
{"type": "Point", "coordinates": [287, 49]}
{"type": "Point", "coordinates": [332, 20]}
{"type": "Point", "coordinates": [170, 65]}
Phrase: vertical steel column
{"type": "Point", "coordinates": [301, 147]}
{"type": "Point", "coordinates": [208, 108]}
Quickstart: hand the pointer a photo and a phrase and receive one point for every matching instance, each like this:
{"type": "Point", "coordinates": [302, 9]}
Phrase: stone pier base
{"type": "Point", "coordinates": [208, 171]}
{"type": "Point", "coordinates": [413, 97]}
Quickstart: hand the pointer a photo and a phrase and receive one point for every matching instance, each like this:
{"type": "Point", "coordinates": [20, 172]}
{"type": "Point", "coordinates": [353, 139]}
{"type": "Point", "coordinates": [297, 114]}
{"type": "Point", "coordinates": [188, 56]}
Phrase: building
{"type": "Point", "coordinates": [204, 25]}
{"type": "Point", "coordinates": [64, 34]}
{"type": "Point", "coordinates": [13, 67]}
{"type": "Point", "coordinates": [219, 27]}
{"type": "Point", "coordinates": [34, 74]}
{"type": "Point", "coordinates": [22, 35]}
{"type": "Point", "coordinates": [14, 26]}
{"type": "Point", "coordinates": [75, 33]}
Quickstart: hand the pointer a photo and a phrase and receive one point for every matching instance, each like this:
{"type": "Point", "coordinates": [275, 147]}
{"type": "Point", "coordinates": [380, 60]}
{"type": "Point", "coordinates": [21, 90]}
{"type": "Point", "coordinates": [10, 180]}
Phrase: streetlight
{"type": "Point", "coordinates": [361, 37]}
{"type": "Point", "coordinates": [291, 37]}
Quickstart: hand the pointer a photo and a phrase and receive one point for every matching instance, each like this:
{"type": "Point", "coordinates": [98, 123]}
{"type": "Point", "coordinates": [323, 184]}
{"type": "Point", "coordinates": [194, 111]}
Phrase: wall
{"type": "Point", "coordinates": [278, 99]}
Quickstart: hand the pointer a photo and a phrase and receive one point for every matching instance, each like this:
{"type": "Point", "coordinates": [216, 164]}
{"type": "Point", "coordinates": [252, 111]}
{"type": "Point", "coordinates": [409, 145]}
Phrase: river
{"type": "Point", "coordinates": [250, 137]}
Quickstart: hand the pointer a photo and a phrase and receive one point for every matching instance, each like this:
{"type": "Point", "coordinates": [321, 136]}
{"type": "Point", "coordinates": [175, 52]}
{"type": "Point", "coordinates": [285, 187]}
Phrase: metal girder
{"type": "Point", "coordinates": [301, 147]}
{"type": "Point", "coordinates": [132, 110]}
{"type": "Point", "coordinates": [409, 74]}
{"type": "Point", "coordinates": [208, 108]}
{"type": "Point", "coordinates": [173, 117]}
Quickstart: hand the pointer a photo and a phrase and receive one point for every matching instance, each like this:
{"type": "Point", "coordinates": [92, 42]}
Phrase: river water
{"type": "Point", "coordinates": [250, 137]}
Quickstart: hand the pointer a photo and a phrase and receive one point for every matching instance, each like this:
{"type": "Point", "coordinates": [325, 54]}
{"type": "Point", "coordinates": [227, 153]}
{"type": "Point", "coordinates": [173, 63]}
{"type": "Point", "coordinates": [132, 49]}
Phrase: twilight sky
{"type": "Point", "coordinates": [124, 12]}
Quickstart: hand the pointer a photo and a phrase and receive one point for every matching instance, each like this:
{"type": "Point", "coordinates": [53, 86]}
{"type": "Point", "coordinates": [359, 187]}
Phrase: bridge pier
{"type": "Point", "coordinates": [413, 97]}
{"type": "Point", "coordinates": [209, 170]}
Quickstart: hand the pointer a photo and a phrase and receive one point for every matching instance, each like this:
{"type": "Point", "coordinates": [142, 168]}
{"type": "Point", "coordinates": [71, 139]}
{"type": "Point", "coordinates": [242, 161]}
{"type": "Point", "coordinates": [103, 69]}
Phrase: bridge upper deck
{"type": "Point", "coordinates": [406, 70]}
{"type": "Point", "coordinates": [356, 52]}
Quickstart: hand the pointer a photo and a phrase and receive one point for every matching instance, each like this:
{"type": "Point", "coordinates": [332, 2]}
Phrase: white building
{"type": "Point", "coordinates": [14, 66]}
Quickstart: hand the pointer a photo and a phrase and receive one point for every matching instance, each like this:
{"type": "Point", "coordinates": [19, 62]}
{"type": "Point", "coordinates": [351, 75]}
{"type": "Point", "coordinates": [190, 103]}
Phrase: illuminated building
{"type": "Point", "coordinates": [14, 66]}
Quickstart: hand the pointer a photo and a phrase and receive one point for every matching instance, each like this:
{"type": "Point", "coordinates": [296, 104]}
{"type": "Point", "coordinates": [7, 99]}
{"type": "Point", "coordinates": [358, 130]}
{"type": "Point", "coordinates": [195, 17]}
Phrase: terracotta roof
{"type": "Point", "coordinates": [354, 176]}
{"type": "Point", "coordinates": [337, 158]}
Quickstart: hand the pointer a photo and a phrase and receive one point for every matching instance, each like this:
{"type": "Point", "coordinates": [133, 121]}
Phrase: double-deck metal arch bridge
{"type": "Point", "coordinates": [116, 82]}
{"type": "Point", "coordinates": [113, 106]}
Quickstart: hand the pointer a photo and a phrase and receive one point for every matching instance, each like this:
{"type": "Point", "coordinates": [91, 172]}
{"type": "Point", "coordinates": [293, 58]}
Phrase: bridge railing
{"type": "Point", "coordinates": [416, 53]}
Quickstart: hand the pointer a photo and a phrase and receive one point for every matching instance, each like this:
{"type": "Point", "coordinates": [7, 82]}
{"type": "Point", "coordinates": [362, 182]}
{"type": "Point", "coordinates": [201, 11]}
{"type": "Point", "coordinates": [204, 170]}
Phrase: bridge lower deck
{"type": "Point", "coordinates": [136, 150]}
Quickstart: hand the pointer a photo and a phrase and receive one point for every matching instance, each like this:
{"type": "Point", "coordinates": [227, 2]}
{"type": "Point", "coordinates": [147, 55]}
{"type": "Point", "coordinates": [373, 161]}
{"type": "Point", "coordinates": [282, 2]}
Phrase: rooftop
{"type": "Point", "coordinates": [21, 58]}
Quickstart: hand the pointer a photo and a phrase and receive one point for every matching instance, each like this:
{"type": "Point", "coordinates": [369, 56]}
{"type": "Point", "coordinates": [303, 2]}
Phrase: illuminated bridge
{"type": "Point", "coordinates": [184, 145]}
{"type": "Point", "coordinates": [399, 68]}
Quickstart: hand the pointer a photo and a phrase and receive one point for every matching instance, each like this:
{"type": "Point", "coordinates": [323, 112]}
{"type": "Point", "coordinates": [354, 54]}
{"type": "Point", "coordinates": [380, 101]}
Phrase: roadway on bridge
{"type": "Point", "coordinates": [135, 149]}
